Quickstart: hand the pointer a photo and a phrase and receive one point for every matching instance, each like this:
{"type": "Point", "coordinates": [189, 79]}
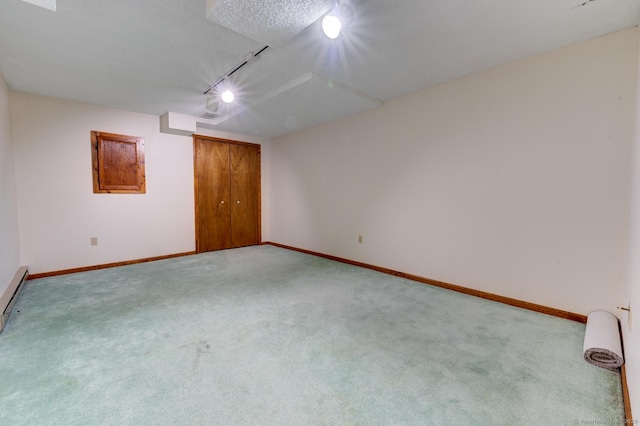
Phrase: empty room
{"type": "Point", "coordinates": [333, 212]}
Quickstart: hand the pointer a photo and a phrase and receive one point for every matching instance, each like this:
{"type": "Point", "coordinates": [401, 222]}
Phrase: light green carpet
{"type": "Point", "coordinates": [266, 336]}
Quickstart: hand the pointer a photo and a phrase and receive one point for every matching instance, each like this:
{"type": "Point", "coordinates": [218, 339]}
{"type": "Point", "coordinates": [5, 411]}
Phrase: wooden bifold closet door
{"type": "Point", "coordinates": [227, 193]}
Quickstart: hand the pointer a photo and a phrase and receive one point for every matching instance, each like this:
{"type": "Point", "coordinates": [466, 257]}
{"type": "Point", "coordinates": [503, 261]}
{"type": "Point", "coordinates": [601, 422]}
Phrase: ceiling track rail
{"type": "Point", "coordinates": [249, 57]}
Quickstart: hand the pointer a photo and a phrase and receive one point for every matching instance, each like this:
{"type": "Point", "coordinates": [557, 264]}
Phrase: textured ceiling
{"type": "Point", "coordinates": [154, 56]}
{"type": "Point", "coordinates": [272, 22]}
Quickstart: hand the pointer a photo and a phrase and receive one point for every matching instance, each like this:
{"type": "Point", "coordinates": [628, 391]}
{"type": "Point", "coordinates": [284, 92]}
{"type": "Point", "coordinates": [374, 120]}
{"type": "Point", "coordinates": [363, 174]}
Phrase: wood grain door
{"type": "Point", "coordinates": [245, 194]}
{"type": "Point", "coordinates": [227, 193]}
{"type": "Point", "coordinates": [212, 195]}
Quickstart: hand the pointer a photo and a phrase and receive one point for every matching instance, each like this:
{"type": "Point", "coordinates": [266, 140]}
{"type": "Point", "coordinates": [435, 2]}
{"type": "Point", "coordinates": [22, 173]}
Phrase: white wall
{"type": "Point", "coordinates": [9, 241]}
{"type": "Point", "coordinates": [58, 210]}
{"type": "Point", "coordinates": [631, 291]}
{"type": "Point", "coordinates": [512, 181]}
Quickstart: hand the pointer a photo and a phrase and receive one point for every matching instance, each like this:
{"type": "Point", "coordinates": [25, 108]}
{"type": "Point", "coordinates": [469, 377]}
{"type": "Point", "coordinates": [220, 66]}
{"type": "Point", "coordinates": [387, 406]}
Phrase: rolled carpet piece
{"type": "Point", "coordinates": [602, 346]}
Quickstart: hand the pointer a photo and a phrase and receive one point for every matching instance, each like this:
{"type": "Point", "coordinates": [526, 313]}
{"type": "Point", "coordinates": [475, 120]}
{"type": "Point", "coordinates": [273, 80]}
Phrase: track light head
{"type": "Point", "coordinates": [227, 96]}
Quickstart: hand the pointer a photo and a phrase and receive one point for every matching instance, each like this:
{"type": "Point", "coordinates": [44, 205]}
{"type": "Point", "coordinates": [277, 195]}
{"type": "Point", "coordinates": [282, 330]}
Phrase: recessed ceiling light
{"type": "Point", "coordinates": [337, 19]}
{"type": "Point", "coordinates": [331, 26]}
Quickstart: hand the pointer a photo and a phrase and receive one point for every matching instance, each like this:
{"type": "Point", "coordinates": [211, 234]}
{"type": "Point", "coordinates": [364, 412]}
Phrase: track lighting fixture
{"type": "Point", "coordinates": [220, 90]}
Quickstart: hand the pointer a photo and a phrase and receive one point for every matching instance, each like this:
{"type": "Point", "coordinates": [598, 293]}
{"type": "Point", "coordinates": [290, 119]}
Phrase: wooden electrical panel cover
{"type": "Point", "coordinates": [118, 163]}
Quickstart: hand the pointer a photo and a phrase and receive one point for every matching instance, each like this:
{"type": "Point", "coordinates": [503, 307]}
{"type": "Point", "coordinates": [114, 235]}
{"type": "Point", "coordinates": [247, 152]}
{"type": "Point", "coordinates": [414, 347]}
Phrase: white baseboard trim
{"type": "Point", "coordinates": [10, 295]}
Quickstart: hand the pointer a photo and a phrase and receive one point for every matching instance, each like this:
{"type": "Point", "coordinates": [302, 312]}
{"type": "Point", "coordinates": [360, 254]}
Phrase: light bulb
{"type": "Point", "coordinates": [227, 96]}
{"type": "Point", "coordinates": [331, 26]}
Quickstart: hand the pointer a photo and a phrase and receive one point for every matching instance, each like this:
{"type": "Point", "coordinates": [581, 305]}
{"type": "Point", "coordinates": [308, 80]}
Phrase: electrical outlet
{"type": "Point", "coordinates": [359, 239]}
{"type": "Point", "coordinates": [94, 241]}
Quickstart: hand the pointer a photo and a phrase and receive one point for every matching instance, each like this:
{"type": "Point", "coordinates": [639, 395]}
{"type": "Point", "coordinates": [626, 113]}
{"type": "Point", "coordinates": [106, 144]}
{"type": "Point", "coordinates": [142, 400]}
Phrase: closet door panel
{"type": "Point", "coordinates": [245, 194]}
{"type": "Point", "coordinates": [212, 195]}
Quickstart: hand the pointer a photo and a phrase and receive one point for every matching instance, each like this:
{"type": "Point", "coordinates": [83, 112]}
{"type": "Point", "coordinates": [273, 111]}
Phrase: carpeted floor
{"type": "Point", "coordinates": [267, 336]}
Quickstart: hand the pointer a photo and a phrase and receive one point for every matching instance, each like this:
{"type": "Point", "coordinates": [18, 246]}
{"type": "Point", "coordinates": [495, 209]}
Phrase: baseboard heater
{"type": "Point", "coordinates": [10, 295]}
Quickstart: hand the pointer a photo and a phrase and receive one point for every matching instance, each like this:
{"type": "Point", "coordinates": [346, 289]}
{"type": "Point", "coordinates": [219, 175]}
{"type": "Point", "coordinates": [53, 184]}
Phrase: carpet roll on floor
{"type": "Point", "coordinates": [602, 346]}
